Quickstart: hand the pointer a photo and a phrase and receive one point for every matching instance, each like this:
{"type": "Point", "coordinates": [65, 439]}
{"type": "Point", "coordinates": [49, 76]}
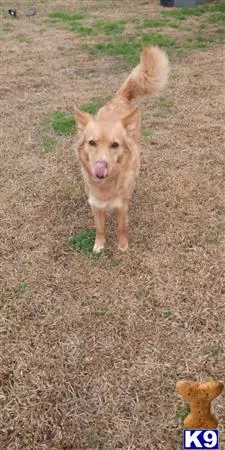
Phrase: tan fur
{"type": "Point", "coordinates": [117, 123]}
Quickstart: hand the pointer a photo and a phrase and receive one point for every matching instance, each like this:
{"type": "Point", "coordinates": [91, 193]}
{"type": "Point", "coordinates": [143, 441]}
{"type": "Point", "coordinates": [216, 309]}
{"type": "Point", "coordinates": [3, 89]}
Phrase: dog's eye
{"type": "Point", "coordinates": [114, 145]}
{"type": "Point", "coordinates": [93, 143]}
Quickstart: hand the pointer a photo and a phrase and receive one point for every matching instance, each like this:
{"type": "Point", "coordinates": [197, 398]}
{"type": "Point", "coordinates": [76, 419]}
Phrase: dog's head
{"type": "Point", "coordinates": [104, 146]}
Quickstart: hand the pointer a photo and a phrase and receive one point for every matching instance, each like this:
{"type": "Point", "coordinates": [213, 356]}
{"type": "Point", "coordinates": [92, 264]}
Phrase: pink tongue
{"type": "Point", "coordinates": [100, 170]}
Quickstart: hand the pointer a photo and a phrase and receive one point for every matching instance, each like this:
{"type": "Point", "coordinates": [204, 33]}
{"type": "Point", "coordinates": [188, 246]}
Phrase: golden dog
{"type": "Point", "coordinates": [108, 145]}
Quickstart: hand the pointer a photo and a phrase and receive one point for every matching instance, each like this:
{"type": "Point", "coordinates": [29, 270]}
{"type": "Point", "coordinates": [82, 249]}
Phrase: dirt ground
{"type": "Point", "coordinates": [91, 349]}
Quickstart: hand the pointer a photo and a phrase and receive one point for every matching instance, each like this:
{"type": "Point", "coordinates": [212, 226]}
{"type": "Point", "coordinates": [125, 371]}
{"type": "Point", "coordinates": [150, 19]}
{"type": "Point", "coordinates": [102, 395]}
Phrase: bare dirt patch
{"type": "Point", "coordinates": [91, 349]}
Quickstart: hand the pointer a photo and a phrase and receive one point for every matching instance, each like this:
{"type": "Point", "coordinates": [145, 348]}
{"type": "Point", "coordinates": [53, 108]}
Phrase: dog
{"type": "Point", "coordinates": [108, 145]}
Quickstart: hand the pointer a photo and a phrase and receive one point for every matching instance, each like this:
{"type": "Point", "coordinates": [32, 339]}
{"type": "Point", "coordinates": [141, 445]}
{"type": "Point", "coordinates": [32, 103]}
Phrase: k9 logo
{"type": "Point", "coordinates": [201, 439]}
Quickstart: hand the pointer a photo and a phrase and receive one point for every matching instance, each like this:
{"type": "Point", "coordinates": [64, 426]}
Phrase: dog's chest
{"type": "Point", "coordinates": [109, 204]}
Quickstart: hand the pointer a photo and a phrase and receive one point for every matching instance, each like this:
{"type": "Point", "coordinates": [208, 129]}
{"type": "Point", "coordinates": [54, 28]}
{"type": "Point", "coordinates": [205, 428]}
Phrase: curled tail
{"type": "Point", "coordinates": [149, 77]}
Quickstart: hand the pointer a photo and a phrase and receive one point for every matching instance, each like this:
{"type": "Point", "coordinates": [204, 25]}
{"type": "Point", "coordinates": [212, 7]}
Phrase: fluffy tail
{"type": "Point", "coordinates": [149, 77]}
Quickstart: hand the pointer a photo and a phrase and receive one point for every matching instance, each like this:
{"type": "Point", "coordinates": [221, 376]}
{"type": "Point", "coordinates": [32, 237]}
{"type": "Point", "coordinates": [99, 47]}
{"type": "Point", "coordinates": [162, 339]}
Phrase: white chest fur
{"type": "Point", "coordinates": [110, 204]}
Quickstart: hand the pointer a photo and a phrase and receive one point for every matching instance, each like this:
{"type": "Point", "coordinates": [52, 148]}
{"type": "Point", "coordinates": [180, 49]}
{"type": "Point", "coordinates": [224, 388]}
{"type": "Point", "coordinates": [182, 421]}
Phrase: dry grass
{"type": "Point", "coordinates": [91, 348]}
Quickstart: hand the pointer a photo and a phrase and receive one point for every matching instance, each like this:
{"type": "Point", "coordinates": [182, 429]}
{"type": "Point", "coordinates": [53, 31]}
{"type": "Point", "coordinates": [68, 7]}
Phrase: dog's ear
{"type": "Point", "coordinates": [131, 122]}
{"type": "Point", "coordinates": [82, 118]}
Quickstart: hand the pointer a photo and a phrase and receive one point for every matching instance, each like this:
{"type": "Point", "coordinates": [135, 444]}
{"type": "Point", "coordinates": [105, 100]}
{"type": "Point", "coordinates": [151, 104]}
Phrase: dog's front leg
{"type": "Point", "coordinates": [99, 216]}
{"type": "Point", "coordinates": [122, 218]}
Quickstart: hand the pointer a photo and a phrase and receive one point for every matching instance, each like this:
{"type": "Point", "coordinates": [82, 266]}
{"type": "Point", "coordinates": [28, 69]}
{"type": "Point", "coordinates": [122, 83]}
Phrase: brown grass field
{"type": "Point", "coordinates": [92, 348]}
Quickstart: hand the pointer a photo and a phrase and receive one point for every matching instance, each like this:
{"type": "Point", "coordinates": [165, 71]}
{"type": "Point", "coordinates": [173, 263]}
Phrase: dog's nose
{"type": "Point", "coordinates": [100, 169]}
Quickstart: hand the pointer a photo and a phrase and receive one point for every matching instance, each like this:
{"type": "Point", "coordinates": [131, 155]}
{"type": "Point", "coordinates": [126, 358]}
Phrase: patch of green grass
{"type": "Point", "coordinates": [147, 133]}
{"type": "Point", "coordinates": [100, 312]}
{"type": "Point", "coordinates": [220, 30]}
{"type": "Point", "coordinates": [66, 17]}
{"type": "Point", "coordinates": [202, 26]}
{"type": "Point", "coordinates": [155, 23]}
{"type": "Point", "coordinates": [157, 114]}
{"type": "Point", "coordinates": [159, 23]}
{"type": "Point", "coordinates": [210, 351]}
{"type": "Point", "coordinates": [182, 412]}
{"type": "Point", "coordinates": [49, 144]}
{"type": "Point", "coordinates": [164, 102]}
{"type": "Point", "coordinates": [82, 30]}
{"type": "Point", "coordinates": [96, 29]}
{"type": "Point", "coordinates": [108, 27]}
{"type": "Point", "coordinates": [100, 27]}
{"type": "Point", "coordinates": [92, 107]}
{"type": "Point", "coordinates": [202, 42]}
{"type": "Point", "coordinates": [184, 13]}
{"type": "Point", "coordinates": [62, 123]}
{"type": "Point", "coordinates": [159, 40]}
{"type": "Point", "coordinates": [177, 13]}
{"type": "Point", "coordinates": [217, 18]}
{"type": "Point", "coordinates": [73, 20]}
{"type": "Point", "coordinates": [22, 286]}
{"type": "Point", "coordinates": [167, 314]}
{"type": "Point", "coordinates": [130, 50]}
{"type": "Point", "coordinates": [196, 43]}
{"type": "Point", "coordinates": [84, 241]}
{"type": "Point", "coordinates": [115, 262]}
{"type": "Point", "coordinates": [220, 7]}
{"type": "Point", "coordinates": [220, 328]}
{"type": "Point", "coordinates": [174, 25]}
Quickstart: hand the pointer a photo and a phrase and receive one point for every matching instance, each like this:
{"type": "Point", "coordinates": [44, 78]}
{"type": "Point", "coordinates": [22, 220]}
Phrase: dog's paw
{"type": "Point", "coordinates": [122, 244]}
{"type": "Point", "coordinates": [98, 248]}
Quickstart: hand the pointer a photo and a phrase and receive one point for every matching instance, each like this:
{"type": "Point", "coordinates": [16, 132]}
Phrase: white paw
{"type": "Point", "coordinates": [98, 248]}
{"type": "Point", "coordinates": [122, 245]}
{"type": "Point", "coordinates": [123, 248]}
